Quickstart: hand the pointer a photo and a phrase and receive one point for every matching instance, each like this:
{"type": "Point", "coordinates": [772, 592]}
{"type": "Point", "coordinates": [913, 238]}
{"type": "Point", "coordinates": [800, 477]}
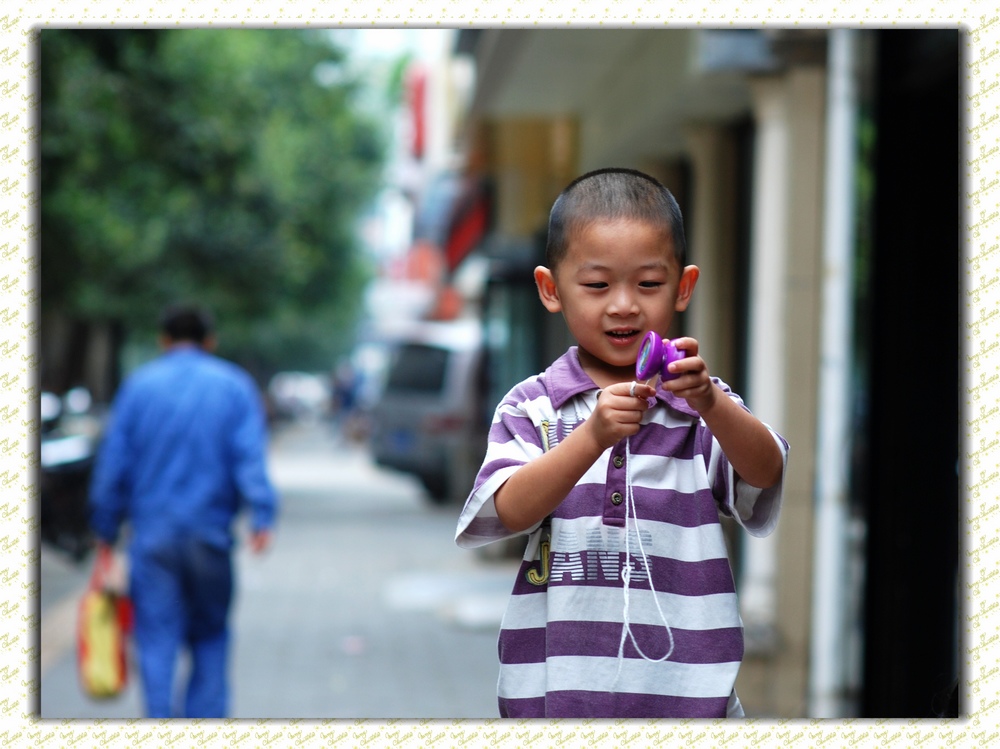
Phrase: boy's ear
{"type": "Point", "coordinates": [689, 277]}
{"type": "Point", "coordinates": [547, 290]}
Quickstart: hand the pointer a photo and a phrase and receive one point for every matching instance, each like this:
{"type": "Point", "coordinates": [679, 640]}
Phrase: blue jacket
{"type": "Point", "coordinates": [184, 452]}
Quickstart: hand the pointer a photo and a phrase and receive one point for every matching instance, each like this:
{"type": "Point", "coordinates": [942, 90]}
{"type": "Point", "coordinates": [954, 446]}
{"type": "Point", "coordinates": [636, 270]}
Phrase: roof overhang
{"type": "Point", "coordinates": [629, 89]}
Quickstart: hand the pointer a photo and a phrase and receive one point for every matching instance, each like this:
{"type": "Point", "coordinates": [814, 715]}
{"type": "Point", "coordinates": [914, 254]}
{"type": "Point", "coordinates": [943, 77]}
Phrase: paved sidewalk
{"type": "Point", "coordinates": [363, 608]}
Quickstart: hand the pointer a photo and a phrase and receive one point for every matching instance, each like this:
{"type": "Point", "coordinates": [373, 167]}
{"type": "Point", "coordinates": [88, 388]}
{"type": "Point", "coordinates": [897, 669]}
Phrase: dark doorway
{"type": "Point", "coordinates": [912, 485]}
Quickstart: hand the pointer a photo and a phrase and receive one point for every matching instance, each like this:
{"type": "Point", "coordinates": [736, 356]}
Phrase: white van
{"type": "Point", "coordinates": [428, 420]}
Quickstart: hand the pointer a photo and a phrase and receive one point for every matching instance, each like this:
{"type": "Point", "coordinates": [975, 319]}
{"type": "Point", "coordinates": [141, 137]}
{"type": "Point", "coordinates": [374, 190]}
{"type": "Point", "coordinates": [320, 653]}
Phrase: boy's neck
{"type": "Point", "coordinates": [603, 374]}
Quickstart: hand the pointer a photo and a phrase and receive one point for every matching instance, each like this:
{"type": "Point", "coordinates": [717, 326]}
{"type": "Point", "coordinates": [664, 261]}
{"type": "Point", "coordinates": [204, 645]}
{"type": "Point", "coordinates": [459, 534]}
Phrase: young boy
{"type": "Point", "coordinates": [625, 604]}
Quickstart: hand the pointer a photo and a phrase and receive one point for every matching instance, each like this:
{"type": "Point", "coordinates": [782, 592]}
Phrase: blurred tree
{"type": "Point", "coordinates": [225, 166]}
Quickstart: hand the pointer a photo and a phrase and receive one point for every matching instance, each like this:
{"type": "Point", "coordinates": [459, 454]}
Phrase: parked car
{"type": "Point", "coordinates": [70, 432]}
{"type": "Point", "coordinates": [298, 395]}
{"type": "Point", "coordinates": [428, 420]}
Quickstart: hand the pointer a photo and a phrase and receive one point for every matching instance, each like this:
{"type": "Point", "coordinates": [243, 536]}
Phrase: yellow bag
{"type": "Point", "coordinates": [105, 622]}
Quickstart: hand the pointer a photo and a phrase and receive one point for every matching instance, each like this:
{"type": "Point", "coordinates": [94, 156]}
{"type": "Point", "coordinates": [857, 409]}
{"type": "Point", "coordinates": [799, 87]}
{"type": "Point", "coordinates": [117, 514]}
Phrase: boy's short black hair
{"type": "Point", "coordinates": [187, 322]}
{"type": "Point", "coordinates": [613, 194]}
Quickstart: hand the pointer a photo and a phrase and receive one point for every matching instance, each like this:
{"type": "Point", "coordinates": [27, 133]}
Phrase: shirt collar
{"type": "Point", "coordinates": [184, 349]}
{"type": "Point", "coordinates": [566, 378]}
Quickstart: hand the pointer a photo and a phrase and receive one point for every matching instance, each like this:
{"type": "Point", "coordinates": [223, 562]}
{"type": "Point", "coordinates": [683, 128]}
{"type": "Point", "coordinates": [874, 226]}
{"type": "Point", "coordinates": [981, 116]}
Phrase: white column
{"type": "Point", "coordinates": [765, 391]}
{"type": "Point", "coordinates": [829, 606]}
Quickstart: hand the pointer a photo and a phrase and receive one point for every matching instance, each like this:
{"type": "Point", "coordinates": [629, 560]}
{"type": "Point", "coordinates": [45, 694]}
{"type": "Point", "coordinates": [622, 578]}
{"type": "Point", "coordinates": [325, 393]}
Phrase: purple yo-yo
{"type": "Point", "coordinates": [655, 354]}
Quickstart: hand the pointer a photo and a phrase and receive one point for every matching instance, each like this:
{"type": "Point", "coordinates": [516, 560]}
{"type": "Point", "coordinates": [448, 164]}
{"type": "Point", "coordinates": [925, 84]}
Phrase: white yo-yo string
{"type": "Point", "coordinates": [627, 576]}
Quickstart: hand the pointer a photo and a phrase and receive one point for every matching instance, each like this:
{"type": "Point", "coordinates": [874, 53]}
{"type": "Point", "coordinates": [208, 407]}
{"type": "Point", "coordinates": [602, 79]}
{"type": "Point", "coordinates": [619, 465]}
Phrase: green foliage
{"type": "Point", "coordinates": [210, 165]}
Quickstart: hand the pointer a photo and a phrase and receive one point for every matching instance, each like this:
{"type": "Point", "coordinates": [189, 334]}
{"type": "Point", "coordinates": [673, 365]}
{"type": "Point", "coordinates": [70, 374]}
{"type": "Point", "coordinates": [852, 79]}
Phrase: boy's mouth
{"type": "Point", "coordinates": [623, 337]}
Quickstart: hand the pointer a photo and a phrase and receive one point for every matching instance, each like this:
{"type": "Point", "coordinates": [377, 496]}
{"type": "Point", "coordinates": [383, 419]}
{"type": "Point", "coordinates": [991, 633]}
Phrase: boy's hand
{"type": "Point", "coordinates": [618, 412]}
{"type": "Point", "coordinates": [693, 384]}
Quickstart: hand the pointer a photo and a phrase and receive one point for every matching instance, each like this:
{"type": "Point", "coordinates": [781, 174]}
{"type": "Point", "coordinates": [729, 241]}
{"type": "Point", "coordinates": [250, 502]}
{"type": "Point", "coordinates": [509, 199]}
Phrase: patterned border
{"type": "Point", "coordinates": [19, 622]}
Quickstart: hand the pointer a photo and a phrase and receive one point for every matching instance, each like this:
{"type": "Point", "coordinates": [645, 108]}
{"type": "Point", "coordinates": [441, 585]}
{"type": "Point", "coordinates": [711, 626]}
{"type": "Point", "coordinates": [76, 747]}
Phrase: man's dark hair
{"type": "Point", "coordinates": [610, 195]}
{"type": "Point", "coordinates": [187, 322]}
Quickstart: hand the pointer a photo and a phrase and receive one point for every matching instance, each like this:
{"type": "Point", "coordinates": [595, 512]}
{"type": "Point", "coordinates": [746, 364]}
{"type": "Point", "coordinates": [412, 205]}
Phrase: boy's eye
{"type": "Point", "coordinates": [597, 285]}
{"type": "Point", "coordinates": [650, 284]}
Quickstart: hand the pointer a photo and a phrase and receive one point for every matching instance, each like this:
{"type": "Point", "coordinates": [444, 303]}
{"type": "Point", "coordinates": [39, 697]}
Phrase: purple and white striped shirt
{"type": "Point", "coordinates": [561, 635]}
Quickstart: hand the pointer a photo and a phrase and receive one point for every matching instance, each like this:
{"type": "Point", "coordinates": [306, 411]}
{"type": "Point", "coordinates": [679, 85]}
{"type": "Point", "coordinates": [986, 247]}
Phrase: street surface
{"type": "Point", "coordinates": [363, 608]}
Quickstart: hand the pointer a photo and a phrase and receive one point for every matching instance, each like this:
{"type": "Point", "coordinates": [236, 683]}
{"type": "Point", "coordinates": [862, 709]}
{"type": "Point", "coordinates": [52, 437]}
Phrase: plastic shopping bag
{"type": "Point", "coordinates": [105, 621]}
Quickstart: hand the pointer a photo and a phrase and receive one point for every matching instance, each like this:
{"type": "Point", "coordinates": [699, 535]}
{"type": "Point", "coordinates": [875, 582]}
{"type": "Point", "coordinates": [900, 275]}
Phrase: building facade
{"type": "Point", "coordinates": [761, 136]}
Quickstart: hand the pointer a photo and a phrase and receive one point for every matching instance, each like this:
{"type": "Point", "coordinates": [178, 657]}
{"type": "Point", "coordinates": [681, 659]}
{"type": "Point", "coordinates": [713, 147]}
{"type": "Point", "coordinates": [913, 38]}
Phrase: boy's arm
{"type": "Point", "coordinates": [745, 440]}
{"type": "Point", "coordinates": [537, 488]}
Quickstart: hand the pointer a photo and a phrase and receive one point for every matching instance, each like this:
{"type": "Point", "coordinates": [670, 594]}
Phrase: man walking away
{"type": "Point", "coordinates": [183, 454]}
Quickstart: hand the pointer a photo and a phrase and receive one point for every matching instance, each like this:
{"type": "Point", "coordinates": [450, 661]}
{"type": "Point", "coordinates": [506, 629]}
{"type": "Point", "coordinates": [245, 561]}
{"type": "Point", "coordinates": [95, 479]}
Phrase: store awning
{"type": "Point", "coordinates": [471, 215]}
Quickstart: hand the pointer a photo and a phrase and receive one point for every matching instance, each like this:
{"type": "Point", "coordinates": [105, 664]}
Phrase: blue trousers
{"type": "Point", "coordinates": [181, 592]}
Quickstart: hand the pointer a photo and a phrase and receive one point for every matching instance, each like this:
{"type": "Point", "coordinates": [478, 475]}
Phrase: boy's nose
{"type": "Point", "coordinates": [622, 303]}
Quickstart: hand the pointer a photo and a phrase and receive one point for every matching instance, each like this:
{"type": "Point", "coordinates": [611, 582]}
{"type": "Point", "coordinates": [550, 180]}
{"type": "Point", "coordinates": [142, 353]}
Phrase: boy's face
{"type": "Point", "coordinates": [617, 280]}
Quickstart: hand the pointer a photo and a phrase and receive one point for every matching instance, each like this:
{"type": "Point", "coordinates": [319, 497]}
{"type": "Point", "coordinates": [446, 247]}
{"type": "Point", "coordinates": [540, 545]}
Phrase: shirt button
{"type": "Point", "coordinates": [616, 498]}
{"type": "Point", "coordinates": [619, 461]}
